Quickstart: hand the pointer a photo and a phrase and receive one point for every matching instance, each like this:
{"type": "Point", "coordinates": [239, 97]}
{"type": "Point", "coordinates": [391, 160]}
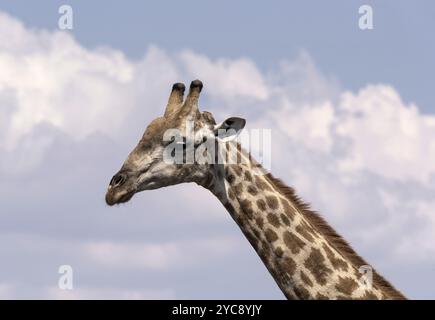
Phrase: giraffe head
{"type": "Point", "coordinates": [181, 146]}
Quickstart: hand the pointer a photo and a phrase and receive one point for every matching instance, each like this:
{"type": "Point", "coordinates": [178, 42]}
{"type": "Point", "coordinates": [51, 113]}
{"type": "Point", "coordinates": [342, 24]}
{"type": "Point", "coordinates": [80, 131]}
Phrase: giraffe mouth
{"type": "Point", "coordinates": [112, 198]}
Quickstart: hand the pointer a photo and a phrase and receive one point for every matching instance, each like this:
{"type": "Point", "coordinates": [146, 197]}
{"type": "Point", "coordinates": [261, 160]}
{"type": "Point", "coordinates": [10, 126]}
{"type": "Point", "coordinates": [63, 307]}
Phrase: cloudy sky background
{"type": "Point", "coordinates": [353, 127]}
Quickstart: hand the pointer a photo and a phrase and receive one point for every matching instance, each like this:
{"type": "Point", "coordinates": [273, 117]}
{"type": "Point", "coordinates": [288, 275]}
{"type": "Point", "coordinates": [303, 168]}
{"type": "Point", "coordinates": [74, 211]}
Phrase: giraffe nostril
{"type": "Point", "coordinates": [117, 180]}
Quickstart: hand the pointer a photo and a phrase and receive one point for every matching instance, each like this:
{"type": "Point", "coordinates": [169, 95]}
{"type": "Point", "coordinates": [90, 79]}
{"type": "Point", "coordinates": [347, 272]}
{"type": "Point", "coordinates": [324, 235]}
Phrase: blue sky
{"type": "Point", "coordinates": [398, 51]}
{"type": "Point", "coordinates": [352, 122]}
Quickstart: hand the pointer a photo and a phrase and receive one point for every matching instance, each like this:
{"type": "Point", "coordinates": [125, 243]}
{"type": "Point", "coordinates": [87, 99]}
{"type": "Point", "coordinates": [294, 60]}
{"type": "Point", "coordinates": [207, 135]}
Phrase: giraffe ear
{"type": "Point", "coordinates": [229, 129]}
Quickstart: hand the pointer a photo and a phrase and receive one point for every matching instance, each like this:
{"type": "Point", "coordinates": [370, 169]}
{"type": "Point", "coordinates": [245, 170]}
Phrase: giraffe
{"type": "Point", "coordinates": [304, 255]}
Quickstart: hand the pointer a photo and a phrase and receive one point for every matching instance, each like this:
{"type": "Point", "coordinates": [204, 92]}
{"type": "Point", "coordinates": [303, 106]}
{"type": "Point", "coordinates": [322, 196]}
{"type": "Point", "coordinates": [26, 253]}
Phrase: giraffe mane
{"type": "Point", "coordinates": [334, 239]}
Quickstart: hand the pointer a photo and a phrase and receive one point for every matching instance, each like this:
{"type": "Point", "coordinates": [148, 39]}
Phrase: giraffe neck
{"type": "Point", "coordinates": [303, 261]}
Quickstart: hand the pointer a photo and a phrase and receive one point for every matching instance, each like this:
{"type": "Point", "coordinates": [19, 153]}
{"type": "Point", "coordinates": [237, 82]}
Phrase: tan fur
{"type": "Point", "coordinates": [332, 236]}
{"type": "Point", "coordinates": [305, 256]}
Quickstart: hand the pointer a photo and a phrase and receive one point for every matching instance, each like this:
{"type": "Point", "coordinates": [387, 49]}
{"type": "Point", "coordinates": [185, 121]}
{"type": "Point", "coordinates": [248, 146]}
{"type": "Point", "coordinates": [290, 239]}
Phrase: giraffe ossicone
{"type": "Point", "coordinates": [305, 256]}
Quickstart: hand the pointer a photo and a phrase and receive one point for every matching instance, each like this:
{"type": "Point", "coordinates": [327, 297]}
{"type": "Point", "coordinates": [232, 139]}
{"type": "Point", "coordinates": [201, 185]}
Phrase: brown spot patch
{"type": "Point", "coordinates": [285, 220]}
{"type": "Point", "coordinates": [293, 242]}
{"type": "Point", "coordinates": [301, 293]}
{"type": "Point", "coordinates": [320, 296]}
{"type": "Point", "coordinates": [271, 235]}
{"type": "Point", "coordinates": [261, 204]}
{"type": "Point", "coordinates": [303, 232]}
{"type": "Point", "coordinates": [288, 209]}
{"type": "Point", "coordinates": [279, 252]}
{"type": "Point", "coordinates": [337, 263]}
{"type": "Point", "coordinates": [273, 220]}
{"type": "Point", "coordinates": [252, 190]}
{"type": "Point", "coordinates": [315, 263]}
{"type": "Point", "coordinates": [306, 279]}
{"type": "Point", "coordinates": [260, 222]}
{"type": "Point", "coordinates": [346, 285]}
{"type": "Point", "coordinates": [289, 265]}
{"type": "Point", "coordinates": [248, 176]}
{"type": "Point", "coordinates": [238, 188]}
{"type": "Point", "coordinates": [246, 206]}
{"type": "Point", "coordinates": [231, 178]}
{"type": "Point", "coordinates": [272, 202]}
{"type": "Point", "coordinates": [261, 184]}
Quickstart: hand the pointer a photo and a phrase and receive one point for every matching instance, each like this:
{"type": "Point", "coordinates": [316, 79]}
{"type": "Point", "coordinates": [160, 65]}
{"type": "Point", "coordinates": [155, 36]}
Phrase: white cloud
{"type": "Point", "coordinates": [366, 160]}
{"type": "Point", "coordinates": [226, 78]}
{"type": "Point", "coordinates": [310, 125]}
{"type": "Point", "coordinates": [387, 136]}
{"type": "Point", "coordinates": [302, 81]}
{"type": "Point", "coordinates": [382, 134]}
{"type": "Point", "coordinates": [106, 293]}
{"type": "Point", "coordinates": [52, 79]}
{"type": "Point", "coordinates": [162, 255]}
